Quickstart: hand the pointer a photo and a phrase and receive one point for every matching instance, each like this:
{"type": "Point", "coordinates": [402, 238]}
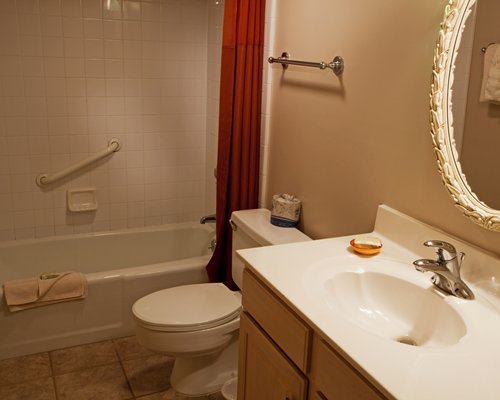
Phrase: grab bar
{"type": "Point", "coordinates": [336, 65]}
{"type": "Point", "coordinates": [46, 179]}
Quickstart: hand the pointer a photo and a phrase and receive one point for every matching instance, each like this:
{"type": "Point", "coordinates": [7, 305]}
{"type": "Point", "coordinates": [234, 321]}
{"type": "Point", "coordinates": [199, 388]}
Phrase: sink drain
{"type": "Point", "coordinates": [406, 340]}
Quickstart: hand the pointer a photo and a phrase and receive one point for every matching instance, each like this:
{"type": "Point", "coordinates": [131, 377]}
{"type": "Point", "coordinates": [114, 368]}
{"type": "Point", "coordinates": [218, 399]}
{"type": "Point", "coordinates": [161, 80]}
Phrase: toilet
{"type": "Point", "coordinates": [199, 324]}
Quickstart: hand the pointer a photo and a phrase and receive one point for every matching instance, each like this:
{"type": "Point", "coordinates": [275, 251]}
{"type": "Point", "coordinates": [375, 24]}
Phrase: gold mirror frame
{"type": "Point", "coordinates": [441, 118]}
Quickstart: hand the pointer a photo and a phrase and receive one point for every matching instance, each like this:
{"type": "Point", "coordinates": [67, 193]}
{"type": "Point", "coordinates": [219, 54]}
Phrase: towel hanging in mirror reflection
{"type": "Point", "coordinates": [490, 88]}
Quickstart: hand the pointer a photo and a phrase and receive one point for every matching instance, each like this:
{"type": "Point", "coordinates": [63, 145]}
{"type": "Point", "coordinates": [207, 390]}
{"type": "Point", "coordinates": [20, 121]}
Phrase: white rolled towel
{"type": "Point", "coordinates": [286, 210]}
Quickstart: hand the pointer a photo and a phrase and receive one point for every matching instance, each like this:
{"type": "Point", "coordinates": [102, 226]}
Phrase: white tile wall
{"type": "Point", "coordinates": [73, 74]}
{"type": "Point", "coordinates": [215, 22]}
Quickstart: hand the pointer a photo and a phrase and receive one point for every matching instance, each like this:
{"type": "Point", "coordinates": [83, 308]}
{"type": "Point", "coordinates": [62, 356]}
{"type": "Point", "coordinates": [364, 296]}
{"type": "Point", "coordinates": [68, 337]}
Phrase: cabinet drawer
{"type": "Point", "coordinates": [287, 330]}
{"type": "Point", "coordinates": [332, 378]}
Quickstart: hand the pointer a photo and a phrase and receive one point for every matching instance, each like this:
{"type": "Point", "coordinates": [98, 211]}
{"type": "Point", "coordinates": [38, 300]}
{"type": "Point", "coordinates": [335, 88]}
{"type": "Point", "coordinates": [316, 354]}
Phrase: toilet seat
{"type": "Point", "coordinates": [188, 308]}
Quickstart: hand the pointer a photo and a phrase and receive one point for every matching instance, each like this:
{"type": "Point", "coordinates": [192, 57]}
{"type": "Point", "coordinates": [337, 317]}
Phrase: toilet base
{"type": "Point", "coordinates": [203, 375]}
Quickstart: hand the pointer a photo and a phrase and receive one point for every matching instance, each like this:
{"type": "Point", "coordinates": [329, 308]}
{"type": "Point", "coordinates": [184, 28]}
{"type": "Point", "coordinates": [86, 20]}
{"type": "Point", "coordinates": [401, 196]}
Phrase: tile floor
{"type": "Point", "coordinates": [118, 369]}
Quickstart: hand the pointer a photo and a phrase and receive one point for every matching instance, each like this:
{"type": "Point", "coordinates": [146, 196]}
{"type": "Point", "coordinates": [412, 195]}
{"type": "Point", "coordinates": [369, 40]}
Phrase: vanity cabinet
{"type": "Point", "coordinates": [282, 358]}
{"type": "Point", "coordinates": [269, 374]}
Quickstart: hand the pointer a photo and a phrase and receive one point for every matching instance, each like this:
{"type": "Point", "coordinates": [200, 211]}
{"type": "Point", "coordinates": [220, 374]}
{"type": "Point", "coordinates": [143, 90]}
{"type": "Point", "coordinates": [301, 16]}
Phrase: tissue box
{"type": "Point", "coordinates": [286, 210]}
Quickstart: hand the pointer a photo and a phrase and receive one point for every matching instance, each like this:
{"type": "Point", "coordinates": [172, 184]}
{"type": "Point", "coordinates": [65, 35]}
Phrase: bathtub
{"type": "Point", "coordinates": [120, 266]}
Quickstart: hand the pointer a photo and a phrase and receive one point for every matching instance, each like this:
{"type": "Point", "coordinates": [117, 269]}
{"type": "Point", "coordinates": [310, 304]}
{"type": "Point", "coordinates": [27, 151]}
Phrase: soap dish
{"type": "Point", "coordinates": [367, 251]}
{"type": "Point", "coordinates": [81, 200]}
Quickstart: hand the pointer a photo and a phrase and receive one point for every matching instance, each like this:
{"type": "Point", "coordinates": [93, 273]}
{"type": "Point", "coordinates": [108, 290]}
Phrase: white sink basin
{"type": "Point", "coordinates": [390, 300]}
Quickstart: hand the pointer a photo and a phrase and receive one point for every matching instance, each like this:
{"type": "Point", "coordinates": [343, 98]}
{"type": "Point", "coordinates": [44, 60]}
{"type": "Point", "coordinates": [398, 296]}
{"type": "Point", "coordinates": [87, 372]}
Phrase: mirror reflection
{"type": "Point", "coordinates": [476, 101]}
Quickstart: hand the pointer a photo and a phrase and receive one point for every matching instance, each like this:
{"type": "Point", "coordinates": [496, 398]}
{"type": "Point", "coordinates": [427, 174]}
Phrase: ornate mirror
{"type": "Point", "coordinates": [465, 126]}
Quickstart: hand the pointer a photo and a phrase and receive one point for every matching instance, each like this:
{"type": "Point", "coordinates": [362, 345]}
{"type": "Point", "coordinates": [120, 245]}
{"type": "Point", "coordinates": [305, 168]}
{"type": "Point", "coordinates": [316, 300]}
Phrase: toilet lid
{"type": "Point", "coordinates": [189, 307]}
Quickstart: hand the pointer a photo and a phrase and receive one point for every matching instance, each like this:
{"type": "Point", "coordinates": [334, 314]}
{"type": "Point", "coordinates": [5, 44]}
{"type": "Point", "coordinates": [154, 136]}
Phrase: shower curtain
{"type": "Point", "coordinates": [239, 124]}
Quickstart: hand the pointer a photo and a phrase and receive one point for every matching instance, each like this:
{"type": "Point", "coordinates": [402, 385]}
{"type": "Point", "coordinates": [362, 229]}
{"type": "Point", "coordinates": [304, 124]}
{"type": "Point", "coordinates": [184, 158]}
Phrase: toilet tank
{"type": "Point", "coordinates": [253, 228]}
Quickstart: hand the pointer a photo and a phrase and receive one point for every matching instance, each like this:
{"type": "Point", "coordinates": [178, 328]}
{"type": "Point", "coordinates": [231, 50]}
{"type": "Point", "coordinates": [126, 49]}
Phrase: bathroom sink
{"type": "Point", "coordinates": [389, 320]}
{"type": "Point", "coordinates": [383, 299]}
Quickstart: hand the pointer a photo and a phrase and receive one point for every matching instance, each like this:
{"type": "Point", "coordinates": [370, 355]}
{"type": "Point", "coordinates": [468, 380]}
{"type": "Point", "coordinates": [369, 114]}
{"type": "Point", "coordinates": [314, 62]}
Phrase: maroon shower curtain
{"type": "Point", "coordinates": [239, 124]}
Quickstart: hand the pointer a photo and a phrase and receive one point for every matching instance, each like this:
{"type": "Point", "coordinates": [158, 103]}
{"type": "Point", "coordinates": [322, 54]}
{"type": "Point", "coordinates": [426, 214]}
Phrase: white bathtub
{"type": "Point", "coordinates": [120, 266]}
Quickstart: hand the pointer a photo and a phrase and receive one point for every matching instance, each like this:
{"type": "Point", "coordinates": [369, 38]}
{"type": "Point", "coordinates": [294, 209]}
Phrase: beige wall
{"type": "Point", "coordinates": [345, 146]}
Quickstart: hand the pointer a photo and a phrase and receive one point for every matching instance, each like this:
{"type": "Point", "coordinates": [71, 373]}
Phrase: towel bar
{"type": "Point", "coordinates": [483, 49]}
{"type": "Point", "coordinates": [336, 65]}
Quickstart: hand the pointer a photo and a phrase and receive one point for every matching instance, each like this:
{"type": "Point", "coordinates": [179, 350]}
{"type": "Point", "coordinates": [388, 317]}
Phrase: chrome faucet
{"type": "Point", "coordinates": [446, 269]}
{"type": "Point", "coordinates": [207, 218]}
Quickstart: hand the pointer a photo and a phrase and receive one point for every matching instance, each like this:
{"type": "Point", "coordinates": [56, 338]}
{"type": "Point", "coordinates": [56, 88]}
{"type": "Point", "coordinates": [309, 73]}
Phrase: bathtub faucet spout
{"type": "Point", "coordinates": [207, 219]}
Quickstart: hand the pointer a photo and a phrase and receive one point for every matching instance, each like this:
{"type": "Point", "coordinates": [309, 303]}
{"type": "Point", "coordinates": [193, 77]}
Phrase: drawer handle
{"type": "Point", "coordinates": [319, 395]}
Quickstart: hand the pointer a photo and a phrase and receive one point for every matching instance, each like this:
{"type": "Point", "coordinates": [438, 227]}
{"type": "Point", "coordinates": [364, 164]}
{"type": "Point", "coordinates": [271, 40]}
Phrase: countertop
{"type": "Point", "coordinates": [465, 370]}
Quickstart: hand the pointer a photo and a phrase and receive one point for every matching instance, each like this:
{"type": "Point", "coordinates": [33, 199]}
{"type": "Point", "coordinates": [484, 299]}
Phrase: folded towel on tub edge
{"type": "Point", "coordinates": [48, 288]}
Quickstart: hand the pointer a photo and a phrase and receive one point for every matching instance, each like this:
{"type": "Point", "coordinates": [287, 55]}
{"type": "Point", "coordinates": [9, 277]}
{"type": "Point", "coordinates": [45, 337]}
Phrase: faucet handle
{"type": "Point", "coordinates": [441, 247]}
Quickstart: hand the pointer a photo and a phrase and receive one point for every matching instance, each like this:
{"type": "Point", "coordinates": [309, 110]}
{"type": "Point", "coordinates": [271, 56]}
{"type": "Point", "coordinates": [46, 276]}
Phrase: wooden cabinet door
{"type": "Point", "coordinates": [265, 373]}
{"type": "Point", "coordinates": [332, 378]}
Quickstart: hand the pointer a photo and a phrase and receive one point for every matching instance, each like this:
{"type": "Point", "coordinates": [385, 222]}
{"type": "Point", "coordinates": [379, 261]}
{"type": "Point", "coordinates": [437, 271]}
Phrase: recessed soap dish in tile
{"type": "Point", "coordinates": [81, 200]}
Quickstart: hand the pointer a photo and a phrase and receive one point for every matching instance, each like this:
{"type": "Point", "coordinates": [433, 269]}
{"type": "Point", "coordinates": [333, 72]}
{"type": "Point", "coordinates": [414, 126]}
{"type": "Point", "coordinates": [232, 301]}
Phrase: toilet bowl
{"type": "Point", "coordinates": [199, 324]}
